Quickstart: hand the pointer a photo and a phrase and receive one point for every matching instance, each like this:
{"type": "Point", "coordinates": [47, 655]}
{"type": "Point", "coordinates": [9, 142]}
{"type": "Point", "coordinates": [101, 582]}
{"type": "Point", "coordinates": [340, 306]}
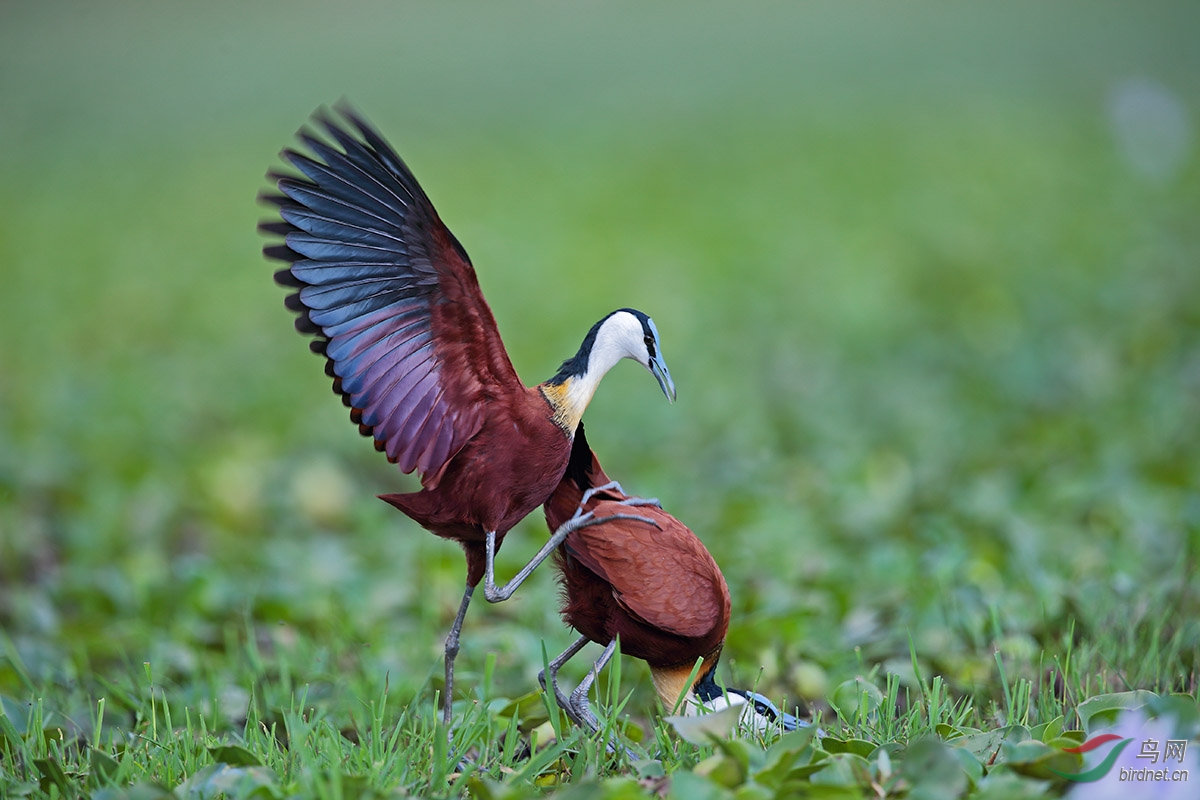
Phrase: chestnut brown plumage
{"type": "Point", "coordinates": [632, 572]}
{"type": "Point", "coordinates": [413, 349]}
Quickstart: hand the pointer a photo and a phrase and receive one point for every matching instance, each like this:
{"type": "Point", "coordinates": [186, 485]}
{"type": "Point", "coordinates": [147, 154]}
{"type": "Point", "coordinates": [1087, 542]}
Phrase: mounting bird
{"type": "Point", "coordinates": [631, 570]}
{"type": "Point", "coordinates": [413, 349]}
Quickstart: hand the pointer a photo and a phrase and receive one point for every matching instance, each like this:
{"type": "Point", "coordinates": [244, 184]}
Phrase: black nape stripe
{"type": "Point", "coordinates": [577, 364]}
{"type": "Point", "coordinates": [707, 689]}
{"type": "Point", "coordinates": [579, 465]}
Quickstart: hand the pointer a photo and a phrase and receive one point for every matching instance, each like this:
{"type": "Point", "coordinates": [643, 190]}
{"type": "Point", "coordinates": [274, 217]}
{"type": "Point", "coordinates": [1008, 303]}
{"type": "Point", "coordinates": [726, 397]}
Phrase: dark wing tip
{"type": "Point", "coordinates": [275, 227]}
{"type": "Point", "coordinates": [292, 303]}
{"type": "Point", "coordinates": [307, 326]}
{"type": "Point", "coordinates": [281, 252]}
{"type": "Point", "coordinates": [274, 199]}
{"type": "Point", "coordinates": [285, 278]}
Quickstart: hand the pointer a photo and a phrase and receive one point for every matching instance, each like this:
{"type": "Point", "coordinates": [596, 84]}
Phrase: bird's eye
{"type": "Point", "coordinates": [649, 340]}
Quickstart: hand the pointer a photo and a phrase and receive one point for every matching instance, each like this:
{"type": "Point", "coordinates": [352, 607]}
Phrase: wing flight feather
{"type": "Point", "coordinates": [389, 293]}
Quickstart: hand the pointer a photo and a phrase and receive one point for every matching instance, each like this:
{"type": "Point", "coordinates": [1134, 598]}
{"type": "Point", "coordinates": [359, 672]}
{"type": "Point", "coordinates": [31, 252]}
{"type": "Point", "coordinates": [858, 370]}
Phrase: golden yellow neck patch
{"type": "Point", "coordinates": [568, 410]}
{"type": "Point", "coordinates": [671, 683]}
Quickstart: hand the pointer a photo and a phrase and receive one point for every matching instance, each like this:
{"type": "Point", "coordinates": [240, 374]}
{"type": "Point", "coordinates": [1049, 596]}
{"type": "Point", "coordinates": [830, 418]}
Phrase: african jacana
{"type": "Point", "coordinates": [631, 570]}
{"type": "Point", "coordinates": [413, 349]}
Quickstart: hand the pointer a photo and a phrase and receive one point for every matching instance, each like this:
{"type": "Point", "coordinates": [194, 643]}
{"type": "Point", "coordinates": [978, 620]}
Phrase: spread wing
{"type": "Point", "coordinates": [390, 295]}
{"type": "Point", "coordinates": [664, 575]}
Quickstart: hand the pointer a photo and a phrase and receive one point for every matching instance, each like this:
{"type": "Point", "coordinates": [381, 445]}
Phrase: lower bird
{"type": "Point", "coordinates": [414, 352]}
{"type": "Point", "coordinates": [633, 573]}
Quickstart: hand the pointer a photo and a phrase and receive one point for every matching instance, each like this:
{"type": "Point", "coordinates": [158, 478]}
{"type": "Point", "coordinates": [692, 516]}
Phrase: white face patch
{"type": "Point", "coordinates": [621, 336]}
{"type": "Point", "coordinates": [750, 720]}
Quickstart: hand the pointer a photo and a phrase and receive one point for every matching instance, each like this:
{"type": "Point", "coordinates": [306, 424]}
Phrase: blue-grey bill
{"type": "Point", "coordinates": [789, 722]}
{"type": "Point", "coordinates": [658, 368]}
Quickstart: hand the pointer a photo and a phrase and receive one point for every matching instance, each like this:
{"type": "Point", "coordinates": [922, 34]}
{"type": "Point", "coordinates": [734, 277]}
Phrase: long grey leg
{"type": "Point", "coordinates": [553, 667]}
{"type": "Point", "coordinates": [496, 594]}
{"type": "Point", "coordinates": [576, 706]}
{"type": "Point", "coordinates": [451, 653]}
{"type": "Point", "coordinates": [579, 697]}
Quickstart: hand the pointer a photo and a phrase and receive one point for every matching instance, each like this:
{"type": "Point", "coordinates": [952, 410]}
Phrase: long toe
{"type": "Point", "coordinates": [611, 486]}
{"type": "Point", "coordinates": [583, 715]}
{"type": "Point", "coordinates": [641, 501]}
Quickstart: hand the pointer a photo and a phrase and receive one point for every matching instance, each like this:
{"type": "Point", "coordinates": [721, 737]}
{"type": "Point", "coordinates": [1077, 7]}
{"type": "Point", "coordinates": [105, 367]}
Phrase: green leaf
{"type": "Point", "coordinates": [1103, 710]}
{"type": "Point", "coordinates": [753, 791]}
{"type": "Point", "coordinates": [818, 763]}
{"type": "Point", "coordinates": [222, 780]}
{"type": "Point", "coordinates": [691, 786]}
{"type": "Point", "coordinates": [741, 750]}
{"type": "Point", "coordinates": [11, 733]}
{"type": "Point", "coordinates": [970, 764]}
{"type": "Point", "coordinates": [844, 769]}
{"type": "Point", "coordinates": [13, 716]}
{"type": "Point", "coordinates": [856, 699]}
{"type": "Point", "coordinates": [986, 746]}
{"type": "Point", "coordinates": [649, 768]}
{"type": "Point", "coordinates": [779, 764]}
{"type": "Point", "coordinates": [20, 789]}
{"type": "Point", "coordinates": [704, 729]}
{"type": "Point", "coordinates": [1048, 730]}
{"type": "Point", "coordinates": [52, 774]}
{"type": "Point", "coordinates": [141, 791]}
{"type": "Point", "coordinates": [1005, 785]}
{"type": "Point", "coordinates": [722, 770]}
{"type": "Point", "coordinates": [793, 740]}
{"type": "Point", "coordinates": [946, 731]}
{"type": "Point", "coordinates": [529, 709]}
{"type": "Point", "coordinates": [104, 767]}
{"type": "Point", "coordinates": [933, 770]}
{"type": "Point", "coordinates": [860, 747]}
{"type": "Point", "coordinates": [234, 756]}
{"type": "Point", "coordinates": [1035, 759]}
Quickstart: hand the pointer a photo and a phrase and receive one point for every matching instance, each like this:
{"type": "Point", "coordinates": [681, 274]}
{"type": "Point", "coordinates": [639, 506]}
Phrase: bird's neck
{"type": "Point", "coordinates": [570, 391]}
{"type": "Point", "coordinates": [673, 683]}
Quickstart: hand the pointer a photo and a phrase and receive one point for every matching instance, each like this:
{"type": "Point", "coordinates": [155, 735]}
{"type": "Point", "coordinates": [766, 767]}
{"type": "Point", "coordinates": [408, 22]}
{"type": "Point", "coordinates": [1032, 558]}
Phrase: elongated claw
{"type": "Point", "coordinates": [614, 486]}
{"type": "Point", "coordinates": [589, 519]}
{"type": "Point", "coordinates": [641, 501]}
{"type": "Point", "coordinates": [611, 486]}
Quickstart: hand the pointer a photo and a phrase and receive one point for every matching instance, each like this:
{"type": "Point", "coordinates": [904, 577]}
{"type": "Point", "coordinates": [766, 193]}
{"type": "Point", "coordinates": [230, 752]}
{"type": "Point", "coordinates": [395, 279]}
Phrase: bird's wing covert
{"type": "Point", "coordinates": [389, 293]}
{"type": "Point", "coordinates": [662, 575]}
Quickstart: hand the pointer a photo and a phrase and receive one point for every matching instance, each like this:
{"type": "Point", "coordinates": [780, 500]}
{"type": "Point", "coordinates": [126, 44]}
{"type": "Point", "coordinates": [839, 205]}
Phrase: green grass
{"type": "Point", "coordinates": [934, 331]}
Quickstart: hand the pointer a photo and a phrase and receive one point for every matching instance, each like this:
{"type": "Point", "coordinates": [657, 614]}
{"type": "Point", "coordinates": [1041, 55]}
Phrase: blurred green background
{"type": "Point", "coordinates": [927, 278]}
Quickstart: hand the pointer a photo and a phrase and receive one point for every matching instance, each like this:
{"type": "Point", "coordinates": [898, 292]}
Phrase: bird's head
{"type": "Point", "coordinates": [632, 334]}
{"type": "Point", "coordinates": [625, 333]}
{"type": "Point", "coordinates": [759, 714]}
